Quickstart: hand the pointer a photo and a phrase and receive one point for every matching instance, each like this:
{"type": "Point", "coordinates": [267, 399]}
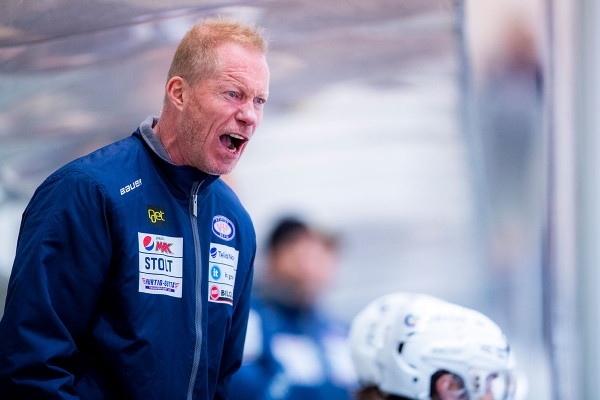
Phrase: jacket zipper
{"type": "Point", "coordinates": [198, 317]}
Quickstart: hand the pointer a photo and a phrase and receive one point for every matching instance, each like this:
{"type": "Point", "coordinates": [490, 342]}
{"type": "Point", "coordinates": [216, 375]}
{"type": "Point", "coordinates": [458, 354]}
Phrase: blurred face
{"type": "Point", "coordinates": [222, 112]}
{"type": "Point", "coordinates": [302, 269]}
{"type": "Point", "coordinates": [451, 388]}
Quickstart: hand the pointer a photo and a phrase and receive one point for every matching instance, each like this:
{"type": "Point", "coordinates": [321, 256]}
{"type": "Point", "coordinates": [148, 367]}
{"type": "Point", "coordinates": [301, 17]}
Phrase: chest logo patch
{"type": "Point", "coordinates": [222, 268]}
{"type": "Point", "coordinates": [160, 264]}
{"type": "Point", "coordinates": [223, 227]}
{"type": "Point", "coordinates": [157, 216]}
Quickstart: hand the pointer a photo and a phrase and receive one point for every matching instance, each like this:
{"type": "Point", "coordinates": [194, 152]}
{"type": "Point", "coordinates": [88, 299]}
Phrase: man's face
{"type": "Point", "coordinates": [222, 112]}
{"type": "Point", "coordinates": [302, 269]}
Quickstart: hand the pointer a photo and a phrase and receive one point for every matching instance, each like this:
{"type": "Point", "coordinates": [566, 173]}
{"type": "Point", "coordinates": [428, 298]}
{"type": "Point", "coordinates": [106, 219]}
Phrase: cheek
{"type": "Point", "coordinates": [196, 126]}
{"type": "Point", "coordinates": [189, 119]}
{"type": "Point", "coordinates": [325, 274]}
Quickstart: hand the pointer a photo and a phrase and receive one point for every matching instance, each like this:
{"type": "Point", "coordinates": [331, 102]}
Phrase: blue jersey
{"type": "Point", "coordinates": [131, 280]}
{"type": "Point", "coordinates": [293, 354]}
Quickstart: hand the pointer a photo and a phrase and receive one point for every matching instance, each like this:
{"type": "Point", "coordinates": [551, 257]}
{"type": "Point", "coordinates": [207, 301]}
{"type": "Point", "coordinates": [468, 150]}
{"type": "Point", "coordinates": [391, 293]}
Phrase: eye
{"type": "Point", "coordinates": [231, 93]}
{"type": "Point", "coordinates": [261, 101]}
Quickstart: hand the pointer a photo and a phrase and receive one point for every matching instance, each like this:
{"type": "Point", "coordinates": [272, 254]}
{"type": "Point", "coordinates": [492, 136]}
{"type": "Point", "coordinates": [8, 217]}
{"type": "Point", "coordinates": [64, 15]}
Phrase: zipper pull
{"type": "Point", "coordinates": [195, 205]}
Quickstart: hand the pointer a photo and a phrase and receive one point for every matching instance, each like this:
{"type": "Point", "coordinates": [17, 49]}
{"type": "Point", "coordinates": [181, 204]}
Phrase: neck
{"type": "Point", "coordinates": [164, 130]}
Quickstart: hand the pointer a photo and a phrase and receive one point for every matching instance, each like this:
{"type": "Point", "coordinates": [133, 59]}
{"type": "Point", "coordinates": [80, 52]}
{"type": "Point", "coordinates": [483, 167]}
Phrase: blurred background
{"type": "Point", "coordinates": [451, 144]}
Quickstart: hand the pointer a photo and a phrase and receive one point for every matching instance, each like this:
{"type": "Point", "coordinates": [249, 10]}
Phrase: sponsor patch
{"type": "Point", "coordinates": [214, 292]}
{"type": "Point", "coordinates": [223, 227]}
{"type": "Point", "coordinates": [222, 268]}
{"type": "Point", "coordinates": [160, 264]}
{"type": "Point", "coordinates": [157, 217]}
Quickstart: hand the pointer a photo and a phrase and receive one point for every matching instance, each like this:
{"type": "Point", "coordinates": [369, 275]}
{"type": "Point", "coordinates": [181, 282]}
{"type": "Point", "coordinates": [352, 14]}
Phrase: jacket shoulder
{"type": "Point", "coordinates": [108, 158]}
{"type": "Point", "coordinates": [112, 167]}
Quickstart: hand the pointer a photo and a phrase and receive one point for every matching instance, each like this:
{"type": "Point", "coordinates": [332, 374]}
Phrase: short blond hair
{"type": "Point", "coordinates": [196, 57]}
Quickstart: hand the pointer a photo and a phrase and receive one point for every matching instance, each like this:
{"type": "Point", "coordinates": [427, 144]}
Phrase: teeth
{"type": "Point", "coordinates": [231, 150]}
{"type": "Point", "coordinates": [236, 136]}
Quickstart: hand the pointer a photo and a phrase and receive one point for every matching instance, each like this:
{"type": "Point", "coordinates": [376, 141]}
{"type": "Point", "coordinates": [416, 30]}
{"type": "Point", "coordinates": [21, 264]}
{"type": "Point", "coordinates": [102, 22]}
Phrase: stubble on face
{"type": "Point", "coordinates": [194, 143]}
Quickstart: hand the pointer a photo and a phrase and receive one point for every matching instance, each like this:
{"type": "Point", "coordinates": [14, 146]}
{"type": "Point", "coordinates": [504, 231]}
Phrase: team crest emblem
{"type": "Point", "coordinates": [223, 227]}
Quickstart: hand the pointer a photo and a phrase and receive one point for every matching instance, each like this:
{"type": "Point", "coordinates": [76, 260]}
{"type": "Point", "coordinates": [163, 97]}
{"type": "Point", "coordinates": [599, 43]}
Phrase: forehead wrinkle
{"type": "Point", "coordinates": [237, 73]}
{"type": "Point", "coordinates": [243, 83]}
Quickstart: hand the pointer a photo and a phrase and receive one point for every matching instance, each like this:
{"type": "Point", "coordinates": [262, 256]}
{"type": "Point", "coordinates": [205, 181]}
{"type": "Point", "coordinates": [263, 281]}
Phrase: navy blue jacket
{"type": "Point", "coordinates": [131, 280]}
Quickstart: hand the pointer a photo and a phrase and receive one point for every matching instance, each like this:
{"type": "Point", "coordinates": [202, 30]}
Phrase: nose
{"type": "Point", "coordinates": [247, 114]}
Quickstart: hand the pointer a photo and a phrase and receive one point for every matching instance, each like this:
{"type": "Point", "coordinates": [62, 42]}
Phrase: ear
{"type": "Point", "coordinates": [442, 385]}
{"type": "Point", "coordinates": [177, 91]}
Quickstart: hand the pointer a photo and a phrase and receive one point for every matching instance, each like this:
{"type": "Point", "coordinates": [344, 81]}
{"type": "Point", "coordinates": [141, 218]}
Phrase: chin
{"type": "Point", "coordinates": [214, 167]}
{"type": "Point", "coordinates": [213, 171]}
{"type": "Point", "coordinates": [226, 169]}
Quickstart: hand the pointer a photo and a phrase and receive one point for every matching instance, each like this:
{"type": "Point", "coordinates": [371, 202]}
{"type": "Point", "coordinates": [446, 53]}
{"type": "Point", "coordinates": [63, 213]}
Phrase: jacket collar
{"type": "Point", "coordinates": [182, 177]}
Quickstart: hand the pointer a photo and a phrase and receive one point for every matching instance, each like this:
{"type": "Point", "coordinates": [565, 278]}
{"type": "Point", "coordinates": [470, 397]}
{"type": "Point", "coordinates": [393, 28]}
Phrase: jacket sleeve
{"type": "Point", "coordinates": [231, 359]}
{"type": "Point", "coordinates": [61, 263]}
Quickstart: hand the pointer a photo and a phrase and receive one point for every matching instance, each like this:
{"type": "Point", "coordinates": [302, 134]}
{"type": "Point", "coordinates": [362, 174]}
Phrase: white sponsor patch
{"type": "Point", "coordinates": [160, 264]}
{"type": "Point", "coordinates": [222, 268]}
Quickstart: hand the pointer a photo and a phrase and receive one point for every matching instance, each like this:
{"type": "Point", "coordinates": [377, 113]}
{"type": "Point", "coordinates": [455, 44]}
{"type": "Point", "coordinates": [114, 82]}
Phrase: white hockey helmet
{"type": "Point", "coordinates": [399, 341]}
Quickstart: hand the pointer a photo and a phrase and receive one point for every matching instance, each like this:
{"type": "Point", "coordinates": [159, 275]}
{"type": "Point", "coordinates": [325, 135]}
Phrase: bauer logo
{"type": "Point", "coordinates": [130, 187]}
{"type": "Point", "coordinates": [223, 228]}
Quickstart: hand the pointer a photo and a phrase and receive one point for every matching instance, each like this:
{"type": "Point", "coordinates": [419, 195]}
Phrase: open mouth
{"type": "Point", "coordinates": [232, 141]}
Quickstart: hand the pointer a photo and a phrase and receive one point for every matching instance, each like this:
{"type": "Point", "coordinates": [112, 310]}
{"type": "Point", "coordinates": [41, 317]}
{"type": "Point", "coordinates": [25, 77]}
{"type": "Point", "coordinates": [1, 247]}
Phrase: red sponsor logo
{"type": "Point", "coordinates": [214, 292]}
{"type": "Point", "coordinates": [164, 247]}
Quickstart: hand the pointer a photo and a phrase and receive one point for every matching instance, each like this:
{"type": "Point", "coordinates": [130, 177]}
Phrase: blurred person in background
{"type": "Point", "coordinates": [134, 264]}
{"type": "Point", "coordinates": [414, 346]}
{"type": "Point", "coordinates": [292, 351]}
{"type": "Point", "coordinates": [510, 123]}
